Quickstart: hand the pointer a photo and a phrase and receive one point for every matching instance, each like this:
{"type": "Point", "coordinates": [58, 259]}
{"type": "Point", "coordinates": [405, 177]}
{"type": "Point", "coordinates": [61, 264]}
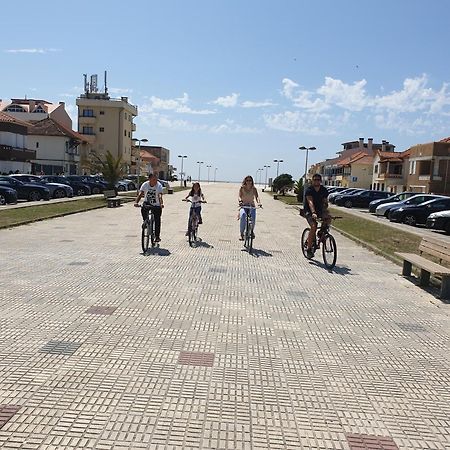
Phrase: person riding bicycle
{"type": "Point", "coordinates": [152, 191]}
{"type": "Point", "coordinates": [196, 196]}
{"type": "Point", "coordinates": [248, 194]}
{"type": "Point", "coordinates": [315, 206]}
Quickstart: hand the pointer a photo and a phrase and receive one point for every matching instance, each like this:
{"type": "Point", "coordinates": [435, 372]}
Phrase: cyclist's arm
{"type": "Point", "coordinates": [240, 196]}
{"type": "Point", "coordinates": [312, 208]}
{"type": "Point", "coordinates": [139, 196]}
{"type": "Point", "coordinates": [255, 193]}
{"type": "Point", "coordinates": [160, 196]}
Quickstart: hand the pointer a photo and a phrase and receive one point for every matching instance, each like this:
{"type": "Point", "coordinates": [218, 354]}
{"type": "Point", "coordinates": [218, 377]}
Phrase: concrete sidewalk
{"type": "Point", "coordinates": [184, 348]}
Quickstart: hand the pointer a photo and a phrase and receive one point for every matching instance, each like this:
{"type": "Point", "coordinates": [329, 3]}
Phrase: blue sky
{"type": "Point", "coordinates": [238, 83]}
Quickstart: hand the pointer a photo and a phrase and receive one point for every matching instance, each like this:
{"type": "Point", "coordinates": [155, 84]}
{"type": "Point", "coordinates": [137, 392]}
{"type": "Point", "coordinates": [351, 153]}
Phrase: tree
{"type": "Point", "coordinates": [298, 189]}
{"type": "Point", "coordinates": [111, 168]}
{"type": "Point", "coordinates": [282, 183]}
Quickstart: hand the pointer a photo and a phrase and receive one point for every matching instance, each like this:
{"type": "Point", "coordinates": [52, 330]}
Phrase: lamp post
{"type": "Point", "coordinates": [199, 166]}
{"type": "Point", "coordinates": [181, 173]}
{"type": "Point", "coordinates": [265, 182]}
{"type": "Point", "coordinates": [278, 161]}
{"type": "Point", "coordinates": [138, 170]}
{"type": "Point", "coordinates": [306, 165]}
{"type": "Point", "coordinates": [215, 170]}
{"type": "Point", "coordinates": [209, 167]}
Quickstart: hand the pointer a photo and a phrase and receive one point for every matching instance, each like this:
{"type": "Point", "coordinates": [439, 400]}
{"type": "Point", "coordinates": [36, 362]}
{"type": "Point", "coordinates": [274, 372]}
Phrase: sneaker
{"type": "Point", "coordinates": [253, 235]}
{"type": "Point", "coordinates": [200, 221]}
{"type": "Point", "coordinates": [158, 239]}
{"type": "Point", "coordinates": [143, 225]}
{"type": "Point", "coordinates": [309, 253]}
{"type": "Point", "coordinates": [242, 237]}
{"type": "Point", "coordinates": [187, 233]}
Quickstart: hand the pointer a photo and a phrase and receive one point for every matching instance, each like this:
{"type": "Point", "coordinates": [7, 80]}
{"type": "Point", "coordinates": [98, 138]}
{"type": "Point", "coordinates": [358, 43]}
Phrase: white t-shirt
{"type": "Point", "coordinates": [196, 199]}
{"type": "Point", "coordinates": [151, 196]}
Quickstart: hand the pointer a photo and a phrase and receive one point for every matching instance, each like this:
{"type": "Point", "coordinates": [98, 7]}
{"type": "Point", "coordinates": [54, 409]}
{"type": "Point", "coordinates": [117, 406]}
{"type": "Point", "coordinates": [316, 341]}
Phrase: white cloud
{"type": "Point", "coordinates": [252, 104]}
{"type": "Point", "coordinates": [32, 50]}
{"type": "Point", "coordinates": [296, 121]}
{"type": "Point", "coordinates": [348, 96]}
{"type": "Point", "coordinates": [178, 105]}
{"type": "Point", "coordinates": [231, 127]}
{"type": "Point", "coordinates": [119, 91]}
{"type": "Point", "coordinates": [302, 99]}
{"type": "Point", "coordinates": [228, 101]}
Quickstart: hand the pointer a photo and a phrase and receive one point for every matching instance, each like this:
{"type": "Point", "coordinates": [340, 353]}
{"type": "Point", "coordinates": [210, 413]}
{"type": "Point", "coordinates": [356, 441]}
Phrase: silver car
{"type": "Point", "coordinates": [57, 190]}
{"type": "Point", "coordinates": [383, 210]}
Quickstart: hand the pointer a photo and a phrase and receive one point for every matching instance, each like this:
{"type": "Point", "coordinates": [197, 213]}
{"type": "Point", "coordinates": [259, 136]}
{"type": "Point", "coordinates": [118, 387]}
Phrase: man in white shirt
{"type": "Point", "coordinates": [152, 191]}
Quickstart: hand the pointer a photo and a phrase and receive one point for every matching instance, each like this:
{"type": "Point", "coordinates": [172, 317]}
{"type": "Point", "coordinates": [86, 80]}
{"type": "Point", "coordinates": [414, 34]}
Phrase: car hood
{"type": "Point", "coordinates": [389, 204]}
{"type": "Point", "coordinates": [7, 189]}
{"type": "Point", "coordinates": [436, 215]}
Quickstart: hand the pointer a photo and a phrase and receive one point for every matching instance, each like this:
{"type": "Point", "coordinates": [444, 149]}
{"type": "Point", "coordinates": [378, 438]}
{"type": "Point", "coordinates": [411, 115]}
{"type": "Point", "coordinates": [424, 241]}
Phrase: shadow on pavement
{"type": "Point", "coordinates": [201, 243]}
{"type": "Point", "coordinates": [158, 251]}
{"type": "Point", "coordinates": [340, 270]}
{"type": "Point", "coordinates": [257, 252]}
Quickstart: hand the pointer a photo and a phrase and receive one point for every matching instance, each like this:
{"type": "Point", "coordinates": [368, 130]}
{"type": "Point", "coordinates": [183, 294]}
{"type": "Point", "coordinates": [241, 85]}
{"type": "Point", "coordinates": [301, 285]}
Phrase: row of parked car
{"type": "Point", "coordinates": [410, 208]}
{"type": "Point", "coordinates": [34, 188]}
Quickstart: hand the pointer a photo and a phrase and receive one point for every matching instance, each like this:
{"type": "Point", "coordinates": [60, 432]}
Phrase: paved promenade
{"type": "Point", "coordinates": [104, 348]}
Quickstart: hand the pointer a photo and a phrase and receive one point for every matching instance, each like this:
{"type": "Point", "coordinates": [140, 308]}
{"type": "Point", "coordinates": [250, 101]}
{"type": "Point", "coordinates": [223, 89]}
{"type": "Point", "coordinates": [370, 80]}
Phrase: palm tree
{"type": "Point", "coordinates": [110, 167]}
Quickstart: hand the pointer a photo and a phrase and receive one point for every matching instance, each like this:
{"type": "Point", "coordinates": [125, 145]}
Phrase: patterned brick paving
{"type": "Point", "coordinates": [210, 347]}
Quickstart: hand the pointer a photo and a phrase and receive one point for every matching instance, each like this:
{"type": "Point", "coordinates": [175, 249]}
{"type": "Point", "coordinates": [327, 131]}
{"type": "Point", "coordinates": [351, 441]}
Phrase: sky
{"type": "Point", "coordinates": [239, 83]}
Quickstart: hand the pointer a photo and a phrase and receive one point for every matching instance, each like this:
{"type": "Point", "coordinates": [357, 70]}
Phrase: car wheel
{"type": "Point", "coordinates": [121, 188]}
{"type": "Point", "coordinates": [386, 214]}
{"type": "Point", "coordinates": [447, 227]}
{"type": "Point", "coordinates": [59, 193]}
{"type": "Point", "coordinates": [131, 187]}
{"type": "Point", "coordinates": [348, 204]}
{"type": "Point", "coordinates": [2, 200]}
{"type": "Point", "coordinates": [96, 190]}
{"type": "Point", "coordinates": [34, 196]}
{"type": "Point", "coordinates": [80, 191]}
{"type": "Point", "coordinates": [409, 220]}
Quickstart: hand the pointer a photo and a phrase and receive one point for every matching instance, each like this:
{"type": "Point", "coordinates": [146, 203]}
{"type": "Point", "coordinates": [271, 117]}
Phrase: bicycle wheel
{"type": "Point", "coordinates": [151, 229]}
{"type": "Point", "coordinates": [329, 251]}
{"type": "Point", "coordinates": [145, 236]}
{"type": "Point", "coordinates": [304, 242]}
{"type": "Point", "coordinates": [192, 232]}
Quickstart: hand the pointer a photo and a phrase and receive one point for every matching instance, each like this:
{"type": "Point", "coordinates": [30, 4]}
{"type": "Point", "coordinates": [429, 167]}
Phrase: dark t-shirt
{"type": "Point", "coordinates": [317, 197]}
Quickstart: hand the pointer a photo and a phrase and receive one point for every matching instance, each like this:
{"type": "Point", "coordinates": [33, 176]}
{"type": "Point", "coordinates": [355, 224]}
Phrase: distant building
{"type": "Point", "coordinates": [105, 123]}
{"type": "Point", "coordinates": [389, 172]}
{"type": "Point", "coordinates": [33, 110]}
{"type": "Point", "coordinates": [159, 158]}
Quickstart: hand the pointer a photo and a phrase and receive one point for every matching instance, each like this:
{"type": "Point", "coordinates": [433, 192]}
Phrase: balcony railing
{"type": "Point", "coordinates": [9, 153]}
{"type": "Point", "coordinates": [384, 176]}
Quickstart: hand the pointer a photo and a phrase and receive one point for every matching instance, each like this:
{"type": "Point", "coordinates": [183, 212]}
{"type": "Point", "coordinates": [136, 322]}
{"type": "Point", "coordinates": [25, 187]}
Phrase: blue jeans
{"type": "Point", "coordinates": [195, 209]}
{"type": "Point", "coordinates": [243, 217]}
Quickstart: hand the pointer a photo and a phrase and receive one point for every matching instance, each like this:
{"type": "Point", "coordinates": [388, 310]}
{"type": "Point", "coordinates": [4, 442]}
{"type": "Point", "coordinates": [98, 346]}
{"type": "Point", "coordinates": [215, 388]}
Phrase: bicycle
{"type": "Point", "coordinates": [194, 220]}
{"type": "Point", "coordinates": [324, 239]}
{"type": "Point", "coordinates": [248, 231]}
{"type": "Point", "coordinates": [148, 230]}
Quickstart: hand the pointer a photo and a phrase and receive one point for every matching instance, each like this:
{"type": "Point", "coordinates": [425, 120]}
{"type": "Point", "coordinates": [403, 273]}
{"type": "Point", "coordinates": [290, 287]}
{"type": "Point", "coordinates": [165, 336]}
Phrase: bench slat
{"type": "Point", "coordinates": [437, 249]}
{"type": "Point", "coordinates": [424, 263]}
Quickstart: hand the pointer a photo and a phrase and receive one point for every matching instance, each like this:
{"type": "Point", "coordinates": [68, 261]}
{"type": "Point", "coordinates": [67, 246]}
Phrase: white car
{"type": "Point", "coordinates": [383, 210]}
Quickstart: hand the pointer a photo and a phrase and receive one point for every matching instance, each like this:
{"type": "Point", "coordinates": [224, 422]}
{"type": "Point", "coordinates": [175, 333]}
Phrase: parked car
{"type": "Point", "coordinates": [26, 191]}
{"type": "Point", "coordinates": [96, 187]}
{"type": "Point", "coordinates": [393, 198]}
{"type": "Point", "coordinates": [336, 195]}
{"type": "Point", "coordinates": [360, 199]}
{"type": "Point", "coordinates": [439, 221]}
{"type": "Point", "coordinates": [7, 195]}
{"type": "Point", "coordinates": [385, 209]}
{"type": "Point", "coordinates": [57, 190]}
{"type": "Point", "coordinates": [130, 184]}
{"type": "Point", "coordinates": [79, 188]}
{"type": "Point", "coordinates": [418, 214]}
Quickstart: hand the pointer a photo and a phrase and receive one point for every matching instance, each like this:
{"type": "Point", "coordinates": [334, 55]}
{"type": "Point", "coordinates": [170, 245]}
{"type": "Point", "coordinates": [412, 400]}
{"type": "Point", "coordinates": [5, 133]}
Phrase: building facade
{"type": "Point", "coordinates": [160, 160]}
{"type": "Point", "coordinates": [106, 124]}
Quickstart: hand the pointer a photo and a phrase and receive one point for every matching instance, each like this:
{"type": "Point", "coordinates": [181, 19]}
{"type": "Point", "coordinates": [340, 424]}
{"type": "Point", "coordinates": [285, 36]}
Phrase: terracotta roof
{"type": "Point", "coordinates": [146, 156]}
{"type": "Point", "coordinates": [447, 139]}
{"type": "Point", "coordinates": [50, 127]}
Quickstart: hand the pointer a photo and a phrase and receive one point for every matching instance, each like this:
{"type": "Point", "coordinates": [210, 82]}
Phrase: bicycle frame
{"type": "Point", "coordinates": [148, 230]}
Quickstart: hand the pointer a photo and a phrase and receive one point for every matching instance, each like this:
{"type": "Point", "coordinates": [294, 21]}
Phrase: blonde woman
{"type": "Point", "coordinates": [248, 195]}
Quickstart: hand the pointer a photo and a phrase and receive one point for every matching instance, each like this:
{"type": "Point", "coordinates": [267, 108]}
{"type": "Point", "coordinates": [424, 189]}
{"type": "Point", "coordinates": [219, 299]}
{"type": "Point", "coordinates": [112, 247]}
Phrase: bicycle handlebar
{"type": "Point", "coordinates": [190, 201]}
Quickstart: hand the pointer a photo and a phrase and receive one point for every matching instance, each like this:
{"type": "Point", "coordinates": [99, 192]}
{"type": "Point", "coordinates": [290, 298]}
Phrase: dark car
{"type": "Point", "coordinates": [360, 199]}
{"type": "Point", "coordinates": [394, 198]}
{"type": "Point", "coordinates": [439, 221]}
{"type": "Point", "coordinates": [7, 195]}
{"type": "Point", "coordinates": [333, 197]}
{"type": "Point", "coordinates": [386, 208]}
{"type": "Point", "coordinates": [57, 190]}
{"type": "Point", "coordinates": [79, 188]}
{"type": "Point", "coordinates": [26, 191]}
{"type": "Point", "coordinates": [96, 186]}
{"type": "Point", "coordinates": [418, 214]}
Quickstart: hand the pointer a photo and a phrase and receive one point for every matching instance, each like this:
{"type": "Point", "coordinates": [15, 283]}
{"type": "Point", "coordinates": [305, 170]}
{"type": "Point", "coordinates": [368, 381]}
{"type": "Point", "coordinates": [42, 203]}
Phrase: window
{"type": "Point", "coordinates": [88, 130]}
{"type": "Point", "coordinates": [129, 135]}
{"type": "Point", "coordinates": [102, 113]}
{"type": "Point", "coordinates": [88, 113]}
{"type": "Point", "coordinates": [37, 144]}
{"type": "Point", "coordinates": [375, 170]}
{"type": "Point", "coordinates": [14, 108]}
{"type": "Point", "coordinates": [102, 129]}
{"type": "Point", "coordinates": [125, 133]}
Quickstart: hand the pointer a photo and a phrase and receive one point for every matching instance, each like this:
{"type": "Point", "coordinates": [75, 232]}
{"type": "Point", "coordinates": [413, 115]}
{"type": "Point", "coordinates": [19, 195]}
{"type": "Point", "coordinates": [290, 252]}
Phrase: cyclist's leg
{"type": "Point", "coordinates": [157, 214]}
{"type": "Point", "coordinates": [253, 215]}
{"type": "Point", "coordinates": [243, 218]}
{"type": "Point", "coordinates": [198, 210]}
{"type": "Point", "coordinates": [144, 212]}
{"type": "Point", "coordinates": [312, 232]}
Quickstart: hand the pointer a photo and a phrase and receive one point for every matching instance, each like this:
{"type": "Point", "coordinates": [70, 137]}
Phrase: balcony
{"type": "Point", "coordinates": [385, 176]}
{"type": "Point", "coordinates": [8, 153]}
{"type": "Point", "coordinates": [85, 120]}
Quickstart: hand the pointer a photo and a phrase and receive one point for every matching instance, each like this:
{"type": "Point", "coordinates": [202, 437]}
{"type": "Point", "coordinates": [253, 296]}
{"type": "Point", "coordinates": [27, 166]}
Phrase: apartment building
{"type": "Point", "coordinates": [105, 123]}
{"type": "Point", "coordinates": [388, 171]}
{"type": "Point", "coordinates": [160, 160]}
{"type": "Point", "coordinates": [33, 110]}
{"type": "Point", "coordinates": [14, 152]}
{"type": "Point", "coordinates": [428, 167]}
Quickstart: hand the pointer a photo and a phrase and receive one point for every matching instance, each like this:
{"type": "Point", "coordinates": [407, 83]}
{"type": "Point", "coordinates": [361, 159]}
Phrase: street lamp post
{"type": "Point", "coordinates": [278, 161]}
{"type": "Point", "coordinates": [138, 170]}
{"type": "Point", "coordinates": [306, 165]}
{"type": "Point", "coordinates": [215, 170]}
{"type": "Point", "coordinates": [181, 173]}
{"type": "Point", "coordinates": [265, 182]}
{"type": "Point", "coordinates": [199, 166]}
{"type": "Point", "coordinates": [209, 167]}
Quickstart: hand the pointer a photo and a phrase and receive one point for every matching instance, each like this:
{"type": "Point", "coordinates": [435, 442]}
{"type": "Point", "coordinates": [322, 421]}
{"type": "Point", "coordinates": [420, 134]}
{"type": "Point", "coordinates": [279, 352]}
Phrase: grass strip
{"type": "Point", "coordinates": [288, 199]}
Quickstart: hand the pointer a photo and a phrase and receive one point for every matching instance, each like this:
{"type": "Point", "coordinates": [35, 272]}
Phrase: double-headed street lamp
{"type": "Point", "coordinates": [199, 166]}
{"type": "Point", "coordinates": [138, 169]}
{"type": "Point", "coordinates": [181, 173]}
{"type": "Point", "coordinates": [215, 170]}
{"type": "Point", "coordinates": [278, 161]}
{"type": "Point", "coordinates": [308, 149]}
{"type": "Point", "coordinates": [265, 182]}
{"type": "Point", "coordinates": [209, 167]}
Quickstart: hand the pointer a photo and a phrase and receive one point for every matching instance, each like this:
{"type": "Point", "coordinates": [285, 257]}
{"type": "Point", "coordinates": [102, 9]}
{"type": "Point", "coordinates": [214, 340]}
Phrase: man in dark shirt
{"type": "Point", "coordinates": [315, 206]}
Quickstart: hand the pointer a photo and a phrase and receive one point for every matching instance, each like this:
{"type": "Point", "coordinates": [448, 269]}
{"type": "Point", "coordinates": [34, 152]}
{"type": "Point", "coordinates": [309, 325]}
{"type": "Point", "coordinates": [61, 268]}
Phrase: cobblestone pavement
{"type": "Point", "coordinates": [102, 347]}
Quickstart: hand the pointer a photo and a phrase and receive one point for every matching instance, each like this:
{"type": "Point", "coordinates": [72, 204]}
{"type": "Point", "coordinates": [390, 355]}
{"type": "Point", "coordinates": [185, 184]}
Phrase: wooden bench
{"type": "Point", "coordinates": [111, 198]}
{"type": "Point", "coordinates": [431, 247]}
